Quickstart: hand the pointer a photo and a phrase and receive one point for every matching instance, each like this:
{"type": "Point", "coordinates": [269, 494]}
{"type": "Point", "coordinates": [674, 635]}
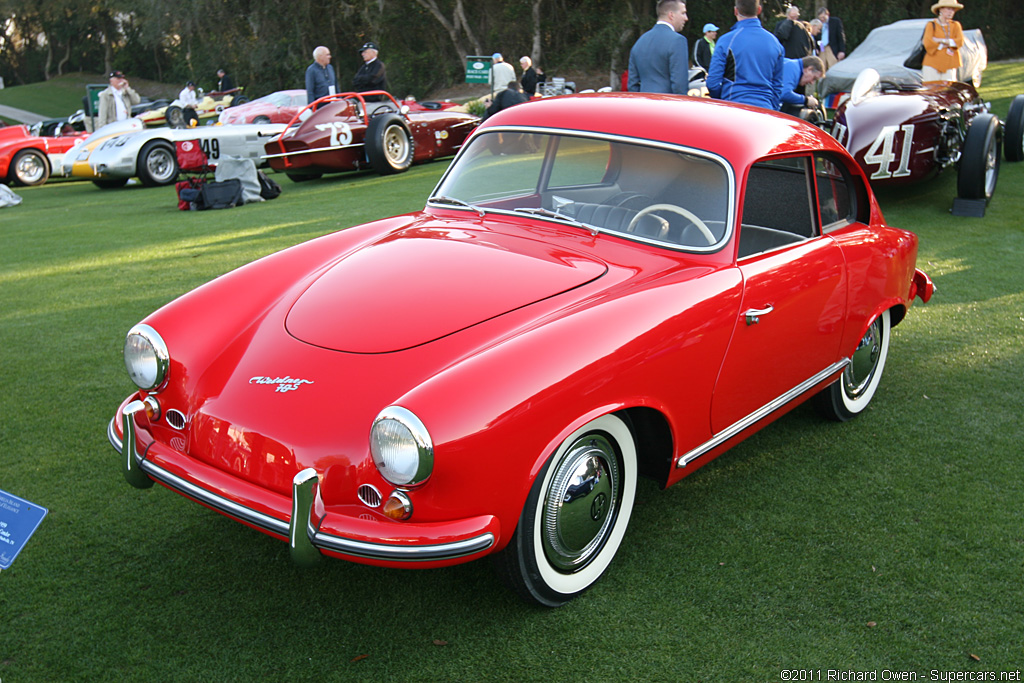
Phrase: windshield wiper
{"type": "Point", "coordinates": [548, 213]}
{"type": "Point", "coordinates": [441, 199]}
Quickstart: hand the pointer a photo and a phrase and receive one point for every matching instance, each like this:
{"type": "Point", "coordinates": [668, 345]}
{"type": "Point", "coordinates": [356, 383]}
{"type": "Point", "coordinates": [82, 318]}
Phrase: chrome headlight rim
{"type": "Point", "coordinates": [419, 439]}
{"type": "Point", "coordinates": [161, 357]}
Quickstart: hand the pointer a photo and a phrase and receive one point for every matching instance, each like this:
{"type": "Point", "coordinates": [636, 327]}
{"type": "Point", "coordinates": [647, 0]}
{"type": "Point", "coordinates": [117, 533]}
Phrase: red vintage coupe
{"type": "Point", "coordinates": [277, 107]}
{"type": "Point", "coordinates": [370, 130]}
{"type": "Point", "coordinates": [592, 294]}
{"type": "Point", "coordinates": [28, 159]}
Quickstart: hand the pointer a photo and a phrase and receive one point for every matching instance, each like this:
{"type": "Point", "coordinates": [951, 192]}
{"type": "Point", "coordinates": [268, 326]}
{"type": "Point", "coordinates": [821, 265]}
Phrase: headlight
{"type": "Point", "coordinates": [401, 447]}
{"type": "Point", "coordinates": [146, 357]}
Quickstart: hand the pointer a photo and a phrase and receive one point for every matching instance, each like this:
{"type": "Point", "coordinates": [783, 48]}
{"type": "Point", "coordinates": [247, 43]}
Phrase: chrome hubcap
{"type": "Point", "coordinates": [396, 144]}
{"type": "Point", "coordinates": [581, 503]}
{"type": "Point", "coordinates": [30, 169]}
{"type": "Point", "coordinates": [858, 374]}
{"type": "Point", "coordinates": [160, 165]}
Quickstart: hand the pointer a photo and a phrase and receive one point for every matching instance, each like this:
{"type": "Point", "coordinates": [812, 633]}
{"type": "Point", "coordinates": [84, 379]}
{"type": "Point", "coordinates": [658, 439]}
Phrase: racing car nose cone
{"type": "Point", "coordinates": [423, 284]}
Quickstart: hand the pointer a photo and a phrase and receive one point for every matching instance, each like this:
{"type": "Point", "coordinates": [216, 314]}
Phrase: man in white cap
{"type": "Point", "coordinates": [705, 47]}
{"type": "Point", "coordinates": [501, 73]}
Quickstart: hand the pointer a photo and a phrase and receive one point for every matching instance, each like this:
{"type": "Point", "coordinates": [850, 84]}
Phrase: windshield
{"type": "Point", "coordinates": [671, 197]}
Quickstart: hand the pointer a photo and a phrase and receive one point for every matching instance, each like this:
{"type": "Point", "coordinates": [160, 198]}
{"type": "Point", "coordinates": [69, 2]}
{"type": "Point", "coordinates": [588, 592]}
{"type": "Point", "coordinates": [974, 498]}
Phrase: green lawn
{"type": "Point", "coordinates": [894, 542]}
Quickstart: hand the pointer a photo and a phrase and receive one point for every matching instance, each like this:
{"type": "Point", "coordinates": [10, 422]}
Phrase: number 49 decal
{"type": "Point", "coordinates": [883, 151]}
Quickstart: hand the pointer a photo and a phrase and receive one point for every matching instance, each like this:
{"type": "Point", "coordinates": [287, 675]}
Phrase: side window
{"type": "Point", "coordinates": [778, 205]}
{"type": "Point", "coordinates": [837, 197]}
{"type": "Point", "coordinates": [580, 161]}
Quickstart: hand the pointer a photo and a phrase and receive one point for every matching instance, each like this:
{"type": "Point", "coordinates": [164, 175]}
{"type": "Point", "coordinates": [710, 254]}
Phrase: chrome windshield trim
{"type": "Point", "coordinates": [730, 219]}
{"type": "Point", "coordinates": [761, 413]}
{"type": "Point", "coordinates": [319, 539]}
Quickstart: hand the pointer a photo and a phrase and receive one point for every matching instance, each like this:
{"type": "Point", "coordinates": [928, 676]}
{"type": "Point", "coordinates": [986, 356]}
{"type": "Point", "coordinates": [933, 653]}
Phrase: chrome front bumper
{"type": "Point", "coordinates": [305, 538]}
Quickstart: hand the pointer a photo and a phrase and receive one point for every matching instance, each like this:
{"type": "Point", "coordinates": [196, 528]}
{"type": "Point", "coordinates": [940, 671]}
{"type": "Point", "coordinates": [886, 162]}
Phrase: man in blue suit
{"type": "Point", "coordinates": [659, 60]}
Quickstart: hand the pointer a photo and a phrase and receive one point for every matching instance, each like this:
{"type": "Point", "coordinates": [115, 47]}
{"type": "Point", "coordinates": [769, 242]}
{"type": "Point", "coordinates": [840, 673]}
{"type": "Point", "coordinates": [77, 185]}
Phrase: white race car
{"type": "Point", "coordinates": [127, 149]}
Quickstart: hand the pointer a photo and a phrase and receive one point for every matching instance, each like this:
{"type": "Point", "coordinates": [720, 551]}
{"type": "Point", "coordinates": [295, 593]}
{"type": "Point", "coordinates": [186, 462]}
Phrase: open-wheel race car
{"type": "Point", "coordinates": [122, 150]}
{"type": "Point", "coordinates": [592, 294]}
{"type": "Point", "coordinates": [902, 133]}
{"type": "Point", "coordinates": [209, 107]}
{"type": "Point", "coordinates": [369, 130]}
{"type": "Point", "coordinates": [28, 155]}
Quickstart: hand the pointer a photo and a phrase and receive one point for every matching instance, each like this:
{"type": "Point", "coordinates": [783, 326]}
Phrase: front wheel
{"type": "Point", "coordinates": [29, 167]}
{"type": "Point", "coordinates": [575, 515]}
{"type": "Point", "coordinates": [157, 164]}
{"type": "Point", "coordinates": [979, 161]}
{"type": "Point", "coordinates": [849, 395]}
{"type": "Point", "coordinates": [389, 144]}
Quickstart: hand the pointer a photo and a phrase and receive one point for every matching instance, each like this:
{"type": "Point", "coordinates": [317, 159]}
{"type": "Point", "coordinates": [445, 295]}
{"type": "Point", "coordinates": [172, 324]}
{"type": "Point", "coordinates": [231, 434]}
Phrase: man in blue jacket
{"type": "Point", "coordinates": [797, 73]}
{"type": "Point", "coordinates": [748, 60]}
{"type": "Point", "coordinates": [659, 60]}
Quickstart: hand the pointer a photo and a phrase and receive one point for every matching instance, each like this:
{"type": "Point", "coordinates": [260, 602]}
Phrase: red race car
{"type": "Point", "coordinates": [902, 131]}
{"type": "Point", "coordinates": [346, 132]}
{"type": "Point", "coordinates": [28, 159]}
{"type": "Point", "coordinates": [277, 107]}
{"type": "Point", "coordinates": [593, 293]}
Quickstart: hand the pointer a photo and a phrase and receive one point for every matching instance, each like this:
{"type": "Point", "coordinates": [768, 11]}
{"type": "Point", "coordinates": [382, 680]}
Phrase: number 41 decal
{"type": "Point", "coordinates": [883, 150]}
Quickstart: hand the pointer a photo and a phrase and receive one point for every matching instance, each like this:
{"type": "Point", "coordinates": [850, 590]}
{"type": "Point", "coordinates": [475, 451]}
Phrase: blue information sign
{"type": "Point", "coordinates": [18, 521]}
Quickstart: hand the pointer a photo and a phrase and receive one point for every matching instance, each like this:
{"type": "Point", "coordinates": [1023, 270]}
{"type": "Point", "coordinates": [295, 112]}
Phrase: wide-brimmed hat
{"type": "Point", "coordinates": [952, 4]}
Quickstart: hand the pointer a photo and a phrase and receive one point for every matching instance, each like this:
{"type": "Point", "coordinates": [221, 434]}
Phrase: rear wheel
{"type": "Point", "coordinates": [157, 164]}
{"type": "Point", "coordinates": [575, 516]}
{"type": "Point", "coordinates": [389, 144]}
{"type": "Point", "coordinates": [1013, 143]}
{"type": "Point", "coordinates": [29, 167]}
{"type": "Point", "coordinates": [979, 159]}
{"type": "Point", "coordinates": [849, 395]}
{"type": "Point", "coordinates": [261, 119]}
{"type": "Point", "coordinates": [175, 116]}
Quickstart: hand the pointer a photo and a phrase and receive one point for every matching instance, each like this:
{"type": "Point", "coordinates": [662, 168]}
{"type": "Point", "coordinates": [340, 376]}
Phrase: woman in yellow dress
{"type": "Point", "coordinates": [942, 40]}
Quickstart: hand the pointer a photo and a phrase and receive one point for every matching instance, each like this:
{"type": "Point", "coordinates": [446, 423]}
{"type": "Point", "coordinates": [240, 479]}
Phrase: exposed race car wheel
{"type": "Point", "coordinates": [29, 167]}
{"type": "Point", "coordinates": [389, 144]}
{"type": "Point", "coordinates": [175, 116]}
{"type": "Point", "coordinates": [157, 164]}
{"type": "Point", "coordinates": [261, 119]}
{"type": "Point", "coordinates": [110, 183]}
{"type": "Point", "coordinates": [849, 395]}
{"type": "Point", "coordinates": [979, 159]}
{"type": "Point", "coordinates": [235, 101]}
{"type": "Point", "coordinates": [1013, 141]}
{"type": "Point", "coordinates": [575, 515]}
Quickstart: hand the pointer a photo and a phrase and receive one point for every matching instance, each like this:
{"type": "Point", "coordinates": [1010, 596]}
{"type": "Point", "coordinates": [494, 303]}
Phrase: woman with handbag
{"type": "Point", "coordinates": [942, 41]}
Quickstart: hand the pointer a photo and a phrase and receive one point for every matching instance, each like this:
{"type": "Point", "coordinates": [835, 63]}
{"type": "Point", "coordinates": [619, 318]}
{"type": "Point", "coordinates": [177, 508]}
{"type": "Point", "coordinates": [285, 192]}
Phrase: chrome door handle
{"type": "Point", "coordinates": [753, 316]}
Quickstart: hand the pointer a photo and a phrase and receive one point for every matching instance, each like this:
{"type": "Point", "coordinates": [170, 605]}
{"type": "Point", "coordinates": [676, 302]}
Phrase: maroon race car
{"type": "Point", "coordinates": [902, 133]}
{"type": "Point", "coordinates": [354, 131]}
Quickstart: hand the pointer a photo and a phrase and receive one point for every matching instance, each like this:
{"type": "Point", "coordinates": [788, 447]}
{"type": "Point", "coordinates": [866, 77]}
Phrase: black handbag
{"type": "Point", "coordinates": [269, 189]}
{"type": "Point", "coordinates": [916, 58]}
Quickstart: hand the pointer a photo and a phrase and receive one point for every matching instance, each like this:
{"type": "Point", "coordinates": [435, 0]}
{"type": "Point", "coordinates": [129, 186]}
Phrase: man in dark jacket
{"type": "Point", "coordinates": [833, 38]}
{"type": "Point", "coordinates": [705, 47]}
{"type": "Point", "coordinates": [320, 79]}
{"type": "Point", "coordinates": [509, 97]}
{"type": "Point", "coordinates": [530, 77]}
{"type": "Point", "coordinates": [794, 35]}
{"type": "Point", "coordinates": [371, 75]}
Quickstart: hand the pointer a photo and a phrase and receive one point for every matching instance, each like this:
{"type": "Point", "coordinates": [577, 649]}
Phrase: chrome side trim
{"type": "Point", "coordinates": [303, 545]}
{"type": "Point", "coordinates": [761, 413]}
{"type": "Point", "coordinates": [311, 151]}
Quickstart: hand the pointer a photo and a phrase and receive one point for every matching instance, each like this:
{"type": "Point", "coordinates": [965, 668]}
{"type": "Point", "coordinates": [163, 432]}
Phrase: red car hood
{"type": "Point", "coordinates": [424, 283]}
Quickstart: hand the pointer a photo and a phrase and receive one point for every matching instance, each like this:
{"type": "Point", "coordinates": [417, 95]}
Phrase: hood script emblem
{"type": "Point", "coordinates": [281, 384]}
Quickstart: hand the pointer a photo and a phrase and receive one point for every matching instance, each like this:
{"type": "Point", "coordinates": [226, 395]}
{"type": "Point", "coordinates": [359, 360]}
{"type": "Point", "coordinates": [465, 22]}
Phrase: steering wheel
{"type": "Point", "coordinates": [688, 215]}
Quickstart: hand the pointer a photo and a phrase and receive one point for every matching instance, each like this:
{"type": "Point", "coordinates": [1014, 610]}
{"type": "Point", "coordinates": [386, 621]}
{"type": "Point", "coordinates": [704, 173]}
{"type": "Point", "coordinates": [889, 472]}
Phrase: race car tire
{"type": "Point", "coordinates": [389, 144]}
{"type": "Point", "coordinates": [979, 159]}
{"type": "Point", "coordinates": [261, 120]}
{"type": "Point", "coordinates": [1013, 142]}
{"type": "Point", "coordinates": [302, 177]}
{"type": "Point", "coordinates": [110, 183]}
{"type": "Point", "coordinates": [157, 164]}
{"type": "Point", "coordinates": [235, 101]}
{"type": "Point", "coordinates": [29, 167]}
{"type": "Point", "coordinates": [175, 116]}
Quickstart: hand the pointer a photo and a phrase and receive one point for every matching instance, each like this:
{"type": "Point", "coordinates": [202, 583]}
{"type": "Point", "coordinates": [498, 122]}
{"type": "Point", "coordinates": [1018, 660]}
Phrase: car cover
{"type": "Point", "coordinates": [245, 171]}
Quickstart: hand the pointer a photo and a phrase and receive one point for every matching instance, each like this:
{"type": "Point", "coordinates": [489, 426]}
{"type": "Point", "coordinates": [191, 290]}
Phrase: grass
{"type": "Point", "coordinates": [893, 542]}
